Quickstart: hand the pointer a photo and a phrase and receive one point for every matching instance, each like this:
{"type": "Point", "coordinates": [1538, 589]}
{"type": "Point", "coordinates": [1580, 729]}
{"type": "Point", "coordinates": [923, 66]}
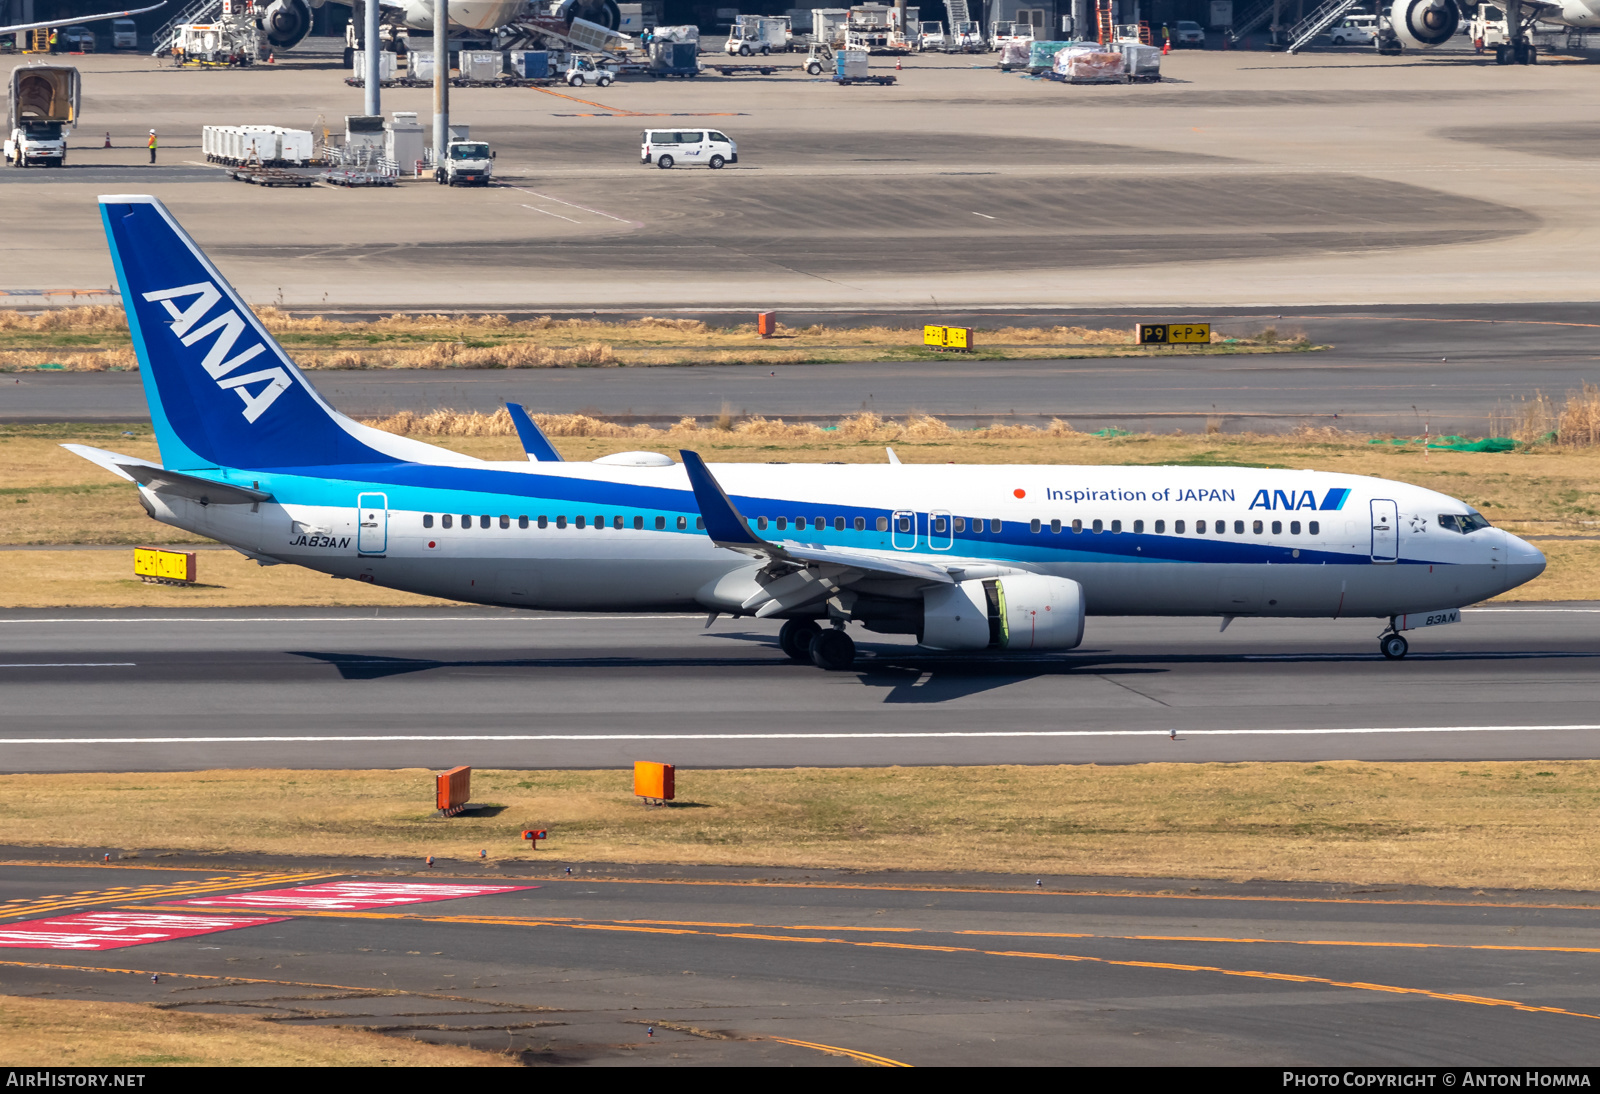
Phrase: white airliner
{"type": "Point", "coordinates": [1426, 24]}
{"type": "Point", "coordinates": [22, 28]}
{"type": "Point", "coordinates": [1007, 558]}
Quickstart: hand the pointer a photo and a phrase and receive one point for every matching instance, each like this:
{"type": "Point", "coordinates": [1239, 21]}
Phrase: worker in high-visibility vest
{"type": "Point", "coordinates": [152, 146]}
{"type": "Point", "coordinates": [52, 41]}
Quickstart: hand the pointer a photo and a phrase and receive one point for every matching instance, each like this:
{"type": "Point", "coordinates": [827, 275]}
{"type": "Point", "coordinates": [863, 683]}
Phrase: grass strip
{"type": "Point", "coordinates": [76, 1033]}
{"type": "Point", "coordinates": [1502, 824]}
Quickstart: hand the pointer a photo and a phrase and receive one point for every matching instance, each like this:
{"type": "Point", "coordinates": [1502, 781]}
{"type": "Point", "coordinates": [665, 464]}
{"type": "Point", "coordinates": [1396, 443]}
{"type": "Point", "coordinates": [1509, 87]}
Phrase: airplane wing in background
{"type": "Point", "coordinates": [48, 23]}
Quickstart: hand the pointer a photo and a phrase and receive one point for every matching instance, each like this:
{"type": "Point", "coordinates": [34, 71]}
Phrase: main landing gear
{"type": "Point", "coordinates": [804, 640]}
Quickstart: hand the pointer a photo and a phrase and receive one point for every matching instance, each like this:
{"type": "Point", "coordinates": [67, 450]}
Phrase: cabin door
{"type": "Point", "coordinates": [1385, 530]}
{"type": "Point", "coordinates": [372, 524]}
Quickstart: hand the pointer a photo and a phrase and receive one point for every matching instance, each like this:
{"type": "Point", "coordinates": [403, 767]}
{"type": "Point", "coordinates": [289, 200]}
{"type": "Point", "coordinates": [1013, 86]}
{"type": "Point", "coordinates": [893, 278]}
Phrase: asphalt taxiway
{"type": "Point", "coordinates": [344, 688]}
{"type": "Point", "coordinates": [737, 967]}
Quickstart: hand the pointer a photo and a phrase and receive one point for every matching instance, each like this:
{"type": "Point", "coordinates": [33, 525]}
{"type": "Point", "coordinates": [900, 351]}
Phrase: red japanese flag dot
{"type": "Point", "coordinates": [1020, 493]}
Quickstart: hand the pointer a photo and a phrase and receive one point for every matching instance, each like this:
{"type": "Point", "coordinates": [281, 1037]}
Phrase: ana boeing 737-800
{"type": "Point", "coordinates": [1008, 558]}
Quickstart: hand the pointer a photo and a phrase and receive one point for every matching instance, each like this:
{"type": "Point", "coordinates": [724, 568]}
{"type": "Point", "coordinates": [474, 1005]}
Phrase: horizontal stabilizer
{"type": "Point", "coordinates": [193, 487]}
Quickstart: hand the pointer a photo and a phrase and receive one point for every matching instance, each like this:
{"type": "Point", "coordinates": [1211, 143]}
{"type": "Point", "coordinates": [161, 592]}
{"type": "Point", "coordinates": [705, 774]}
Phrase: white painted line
{"type": "Point", "coordinates": [70, 665]}
{"type": "Point", "coordinates": [1192, 734]}
{"type": "Point", "coordinates": [575, 205]}
{"type": "Point", "coordinates": [985, 216]}
{"type": "Point", "coordinates": [548, 213]}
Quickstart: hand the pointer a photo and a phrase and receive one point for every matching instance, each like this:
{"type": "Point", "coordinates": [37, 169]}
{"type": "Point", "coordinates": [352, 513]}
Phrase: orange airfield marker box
{"type": "Point", "coordinates": [653, 780]}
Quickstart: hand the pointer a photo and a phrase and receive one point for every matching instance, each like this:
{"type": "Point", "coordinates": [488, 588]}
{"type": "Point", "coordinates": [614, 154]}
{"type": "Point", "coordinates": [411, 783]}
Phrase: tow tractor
{"type": "Point", "coordinates": [819, 55]}
{"type": "Point", "coordinates": [588, 69]}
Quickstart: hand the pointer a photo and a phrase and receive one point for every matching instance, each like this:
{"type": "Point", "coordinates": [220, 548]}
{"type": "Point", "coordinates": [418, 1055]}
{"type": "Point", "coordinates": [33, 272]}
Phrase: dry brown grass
{"type": "Point", "coordinates": [1514, 825]}
{"type": "Point", "coordinates": [76, 1033]}
{"type": "Point", "coordinates": [1537, 419]}
{"type": "Point", "coordinates": [95, 318]}
{"type": "Point", "coordinates": [860, 428]}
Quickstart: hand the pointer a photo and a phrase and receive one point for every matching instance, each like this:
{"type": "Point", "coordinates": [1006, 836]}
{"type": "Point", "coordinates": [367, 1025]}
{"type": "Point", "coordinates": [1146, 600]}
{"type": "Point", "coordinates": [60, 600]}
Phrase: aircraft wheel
{"type": "Point", "coordinates": [1393, 646]}
{"type": "Point", "coordinates": [833, 650]}
{"type": "Point", "coordinates": [1533, 54]}
{"type": "Point", "coordinates": [795, 638]}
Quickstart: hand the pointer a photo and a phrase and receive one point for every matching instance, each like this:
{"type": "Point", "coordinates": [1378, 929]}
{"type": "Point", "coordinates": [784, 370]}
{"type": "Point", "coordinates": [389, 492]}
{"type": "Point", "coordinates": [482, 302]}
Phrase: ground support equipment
{"type": "Point", "coordinates": [343, 177]}
{"type": "Point", "coordinates": [271, 176]}
{"type": "Point", "coordinates": [846, 81]}
{"type": "Point", "coordinates": [744, 70]}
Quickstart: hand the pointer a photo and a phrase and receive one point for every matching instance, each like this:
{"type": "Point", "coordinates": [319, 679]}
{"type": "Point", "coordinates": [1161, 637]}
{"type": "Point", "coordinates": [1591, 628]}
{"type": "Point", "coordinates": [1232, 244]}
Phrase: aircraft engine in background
{"type": "Point", "coordinates": [1015, 612]}
{"type": "Point", "coordinates": [1425, 23]}
{"type": "Point", "coordinates": [604, 12]}
{"type": "Point", "coordinates": [286, 22]}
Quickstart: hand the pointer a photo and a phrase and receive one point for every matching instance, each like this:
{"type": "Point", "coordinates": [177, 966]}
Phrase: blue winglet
{"type": "Point", "coordinates": [534, 442]}
{"type": "Point", "coordinates": [724, 524]}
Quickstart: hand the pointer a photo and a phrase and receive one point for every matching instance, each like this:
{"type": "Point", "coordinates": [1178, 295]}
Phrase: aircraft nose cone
{"type": "Point", "coordinates": [1524, 561]}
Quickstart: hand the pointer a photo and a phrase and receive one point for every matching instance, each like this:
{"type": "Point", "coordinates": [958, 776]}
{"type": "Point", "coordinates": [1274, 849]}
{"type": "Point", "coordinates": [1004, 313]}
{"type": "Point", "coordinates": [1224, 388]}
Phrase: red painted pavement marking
{"type": "Point", "coordinates": [351, 896]}
{"type": "Point", "coordinates": [114, 930]}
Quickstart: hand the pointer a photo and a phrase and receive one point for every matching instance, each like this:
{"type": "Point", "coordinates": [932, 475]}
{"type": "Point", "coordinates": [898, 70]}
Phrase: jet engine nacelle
{"type": "Point", "coordinates": [1021, 612]}
{"type": "Point", "coordinates": [286, 22]}
{"type": "Point", "coordinates": [1425, 23]}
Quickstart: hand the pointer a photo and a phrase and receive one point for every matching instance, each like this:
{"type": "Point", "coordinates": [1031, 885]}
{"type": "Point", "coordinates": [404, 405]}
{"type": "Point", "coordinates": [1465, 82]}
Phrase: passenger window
{"type": "Point", "coordinates": [800, 524]}
{"type": "Point", "coordinates": [1238, 528]}
{"type": "Point", "coordinates": [580, 522]}
{"type": "Point", "coordinates": [939, 525]}
{"type": "Point", "coordinates": [1116, 527]}
{"type": "Point", "coordinates": [427, 520]}
{"type": "Point", "coordinates": [883, 524]}
{"type": "Point", "coordinates": [761, 524]}
{"type": "Point", "coordinates": [599, 520]}
{"type": "Point", "coordinates": [561, 522]}
{"type": "Point", "coordinates": [446, 520]}
{"type": "Point", "coordinates": [1277, 528]}
{"type": "Point", "coordinates": [1199, 527]}
{"type": "Point", "coordinates": [996, 527]}
{"type": "Point", "coordinates": [1161, 526]}
{"type": "Point", "coordinates": [638, 524]}
{"type": "Point", "coordinates": [1098, 527]}
{"type": "Point", "coordinates": [522, 521]}
{"type": "Point", "coordinates": [861, 524]}
{"type": "Point", "coordinates": [1077, 526]}
{"type": "Point", "coordinates": [616, 521]}
{"type": "Point", "coordinates": [782, 523]}
{"type": "Point", "coordinates": [819, 523]}
{"type": "Point", "coordinates": [544, 521]}
{"type": "Point", "coordinates": [1177, 527]}
{"type": "Point", "coordinates": [1314, 528]}
{"type": "Point", "coordinates": [1138, 526]}
{"type": "Point", "coordinates": [483, 521]}
{"type": "Point", "coordinates": [466, 520]}
{"type": "Point", "coordinates": [505, 521]}
{"type": "Point", "coordinates": [961, 524]}
{"type": "Point", "coordinates": [700, 524]}
{"type": "Point", "coordinates": [838, 524]}
{"type": "Point", "coordinates": [1055, 526]}
{"type": "Point", "coordinates": [661, 524]}
{"type": "Point", "coordinates": [1256, 527]}
{"type": "Point", "coordinates": [1033, 525]}
{"type": "Point", "coordinates": [1294, 528]}
{"type": "Point", "coordinates": [683, 522]}
{"type": "Point", "coordinates": [903, 523]}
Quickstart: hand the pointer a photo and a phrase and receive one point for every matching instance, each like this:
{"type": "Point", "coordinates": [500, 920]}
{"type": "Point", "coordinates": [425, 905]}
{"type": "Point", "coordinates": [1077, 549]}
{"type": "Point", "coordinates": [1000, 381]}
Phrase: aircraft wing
{"type": "Point", "coordinates": [48, 23]}
{"type": "Point", "coordinates": [798, 573]}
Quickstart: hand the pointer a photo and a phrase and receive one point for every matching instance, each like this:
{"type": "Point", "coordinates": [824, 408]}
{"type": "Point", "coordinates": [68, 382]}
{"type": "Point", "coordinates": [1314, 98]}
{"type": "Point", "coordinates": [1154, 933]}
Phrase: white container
{"type": "Point", "coordinates": [297, 146]}
{"type": "Point", "coordinates": [419, 64]}
{"type": "Point", "coordinates": [403, 141]}
{"type": "Point", "coordinates": [1141, 60]}
{"type": "Point", "coordinates": [358, 66]}
{"type": "Point", "coordinates": [851, 64]}
{"type": "Point", "coordinates": [481, 65]}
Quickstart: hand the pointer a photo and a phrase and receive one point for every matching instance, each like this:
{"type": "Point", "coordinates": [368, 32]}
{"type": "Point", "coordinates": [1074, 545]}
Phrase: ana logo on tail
{"type": "Point", "coordinates": [227, 327]}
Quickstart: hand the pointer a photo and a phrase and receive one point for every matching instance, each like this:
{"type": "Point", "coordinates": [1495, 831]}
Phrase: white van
{"type": "Point", "coordinates": [124, 35]}
{"type": "Point", "coordinates": [1358, 30]}
{"type": "Point", "coordinates": [670, 147]}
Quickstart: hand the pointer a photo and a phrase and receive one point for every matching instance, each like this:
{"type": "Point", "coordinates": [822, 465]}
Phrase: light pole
{"type": "Point", "coordinates": [370, 79]}
{"type": "Point", "coordinates": [441, 81]}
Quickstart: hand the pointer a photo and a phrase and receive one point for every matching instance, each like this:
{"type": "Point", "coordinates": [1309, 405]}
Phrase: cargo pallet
{"type": "Point", "coordinates": [678, 73]}
{"type": "Point", "coordinates": [740, 70]}
{"type": "Point", "coordinates": [846, 81]}
{"type": "Point", "coordinates": [1120, 78]}
{"type": "Point", "coordinates": [357, 178]}
{"type": "Point", "coordinates": [271, 176]}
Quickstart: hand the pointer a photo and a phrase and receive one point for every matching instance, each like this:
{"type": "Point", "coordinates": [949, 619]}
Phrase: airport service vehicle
{"type": "Point", "coordinates": [819, 55]}
{"type": "Point", "coordinates": [77, 39]}
{"type": "Point", "coordinates": [931, 36]}
{"type": "Point", "coordinates": [1010, 559]}
{"type": "Point", "coordinates": [124, 34]}
{"type": "Point", "coordinates": [1487, 28]}
{"type": "Point", "coordinates": [465, 163]}
{"type": "Point", "coordinates": [42, 105]}
{"type": "Point", "coordinates": [687, 148]}
{"type": "Point", "coordinates": [754, 34]}
{"type": "Point", "coordinates": [966, 37]}
{"type": "Point", "coordinates": [588, 70]}
{"type": "Point", "coordinates": [1358, 30]}
{"type": "Point", "coordinates": [1002, 33]}
{"type": "Point", "coordinates": [1187, 33]}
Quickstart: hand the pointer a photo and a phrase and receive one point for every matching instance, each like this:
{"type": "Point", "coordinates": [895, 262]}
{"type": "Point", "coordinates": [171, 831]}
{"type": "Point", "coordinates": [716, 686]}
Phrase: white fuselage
{"type": "Point", "coordinates": [1289, 543]}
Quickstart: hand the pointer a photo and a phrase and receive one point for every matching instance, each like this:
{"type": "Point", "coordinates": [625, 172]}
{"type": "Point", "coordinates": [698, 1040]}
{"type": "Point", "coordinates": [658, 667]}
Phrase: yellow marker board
{"type": "Point", "coordinates": [1172, 334]}
{"type": "Point", "coordinates": [947, 337]}
{"type": "Point", "coordinates": [163, 567]}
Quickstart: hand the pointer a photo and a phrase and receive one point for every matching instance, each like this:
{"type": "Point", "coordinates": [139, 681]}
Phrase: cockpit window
{"type": "Point", "coordinates": [1465, 524]}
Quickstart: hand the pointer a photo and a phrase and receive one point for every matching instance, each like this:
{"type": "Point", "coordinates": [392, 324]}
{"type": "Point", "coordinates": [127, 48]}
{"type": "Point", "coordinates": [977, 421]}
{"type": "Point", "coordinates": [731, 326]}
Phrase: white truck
{"type": "Point", "coordinates": [931, 36]}
{"type": "Point", "coordinates": [42, 105]}
{"type": "Point", "coordinates": [1005, 32]}
{"type": "Point", "coordinates": [761, 34]}
{"type": "Point", "coordinates": [465, 163]}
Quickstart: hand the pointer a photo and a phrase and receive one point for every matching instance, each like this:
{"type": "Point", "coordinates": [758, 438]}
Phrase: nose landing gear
{"type": "Point", "coordinates": [1393, 646]}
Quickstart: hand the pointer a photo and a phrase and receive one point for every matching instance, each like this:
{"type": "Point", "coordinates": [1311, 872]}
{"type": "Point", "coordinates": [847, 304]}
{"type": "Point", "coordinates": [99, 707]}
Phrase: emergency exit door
{"type": "Point", "coordinates": [372, 524]}
{"type": "Point", "coordinates": [1385, 530]}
